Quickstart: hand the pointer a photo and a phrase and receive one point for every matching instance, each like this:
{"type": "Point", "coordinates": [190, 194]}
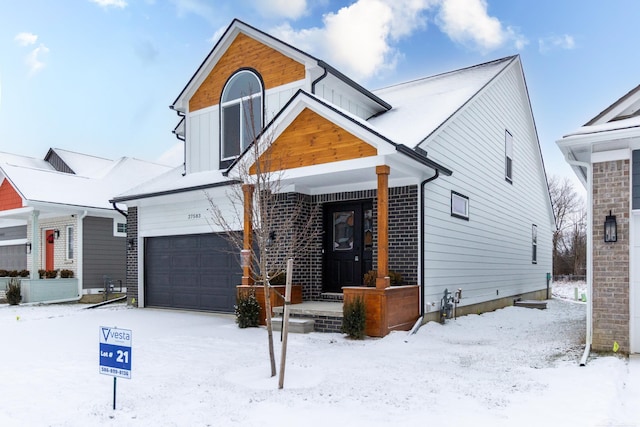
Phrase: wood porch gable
{"type": "Point", "coordinates": [9, 197]}
{"type": "Point", "coordinates": [312, 140]}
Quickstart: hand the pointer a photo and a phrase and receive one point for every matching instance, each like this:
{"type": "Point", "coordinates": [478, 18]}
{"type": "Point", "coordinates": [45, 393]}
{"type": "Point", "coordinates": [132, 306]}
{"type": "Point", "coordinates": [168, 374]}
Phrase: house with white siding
{"type": "Point", "coordinates": [440, 179]}
{"type": "Point", "coordinates": [605, 155]}
{"type": "Point", "coordinates": [55, 217]}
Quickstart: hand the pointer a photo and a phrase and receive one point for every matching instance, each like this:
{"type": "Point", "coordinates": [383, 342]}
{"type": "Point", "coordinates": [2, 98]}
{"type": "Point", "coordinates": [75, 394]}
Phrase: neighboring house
{"type": "Point", "coordinates": [444, 172]}
{"type": "Point", "coordinates": [605, 155]}
{"type": "Point", "coordinates": [55, 215]}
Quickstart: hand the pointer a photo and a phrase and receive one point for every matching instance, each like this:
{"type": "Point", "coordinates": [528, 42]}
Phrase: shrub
{"type": "Point", "coordinates": [247, 310]}
{"type": "Point", "coordinates": [42, 273]}
{"type": "Point", "coordinates": [12, 273]}
{"type": "Point", "coordinates": [66, 274]}
{"type": "Point", "coordinates": [353, 320]}
{"type": "Point", "coordinates": [23, 273]}
{"type": "Point", "coordinates": [277, 278]}
{"type": "Point", "coordinates": [51, 274]}
{"type": "Point", "coordinates": [370, 278]}
{"type": "Point", "coordinates": [13, 291]}
{"type": "Point", "coordinates": [3, 273]}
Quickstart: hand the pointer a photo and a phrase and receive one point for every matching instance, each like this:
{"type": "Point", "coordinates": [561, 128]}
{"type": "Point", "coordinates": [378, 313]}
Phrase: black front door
{"type": "Point", "coordinates": [348, 244]}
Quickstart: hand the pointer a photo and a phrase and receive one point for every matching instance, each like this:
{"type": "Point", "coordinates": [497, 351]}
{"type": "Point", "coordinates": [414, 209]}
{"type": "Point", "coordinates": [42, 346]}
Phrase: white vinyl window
{"type": "Point", "coordinates": [119, 228]}
{"type": "Point", "coordinates": [508, 156]}
{"type": "Point", "coordinates": [459, 206]}
{"type": "Point", "coordinates": [240, 113]}
{"type": "Point", "coordinates": [70, 243]}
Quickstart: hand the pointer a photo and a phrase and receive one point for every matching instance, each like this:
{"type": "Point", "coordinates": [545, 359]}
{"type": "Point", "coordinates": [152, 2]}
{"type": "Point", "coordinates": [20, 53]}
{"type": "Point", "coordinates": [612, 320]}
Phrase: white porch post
{"type": "Point", "coordinates": [35, 245]}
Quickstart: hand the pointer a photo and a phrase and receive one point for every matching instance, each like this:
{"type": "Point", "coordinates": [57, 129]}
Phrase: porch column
{"type": "Point", "coordinates": [247, 189]}
{"type": "Point", "coordinates": [35, 245]}
{"type": "Point", "coordinates": [383, 281]}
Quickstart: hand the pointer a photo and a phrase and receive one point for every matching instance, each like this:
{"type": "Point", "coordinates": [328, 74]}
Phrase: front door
{"type": "Point", "coordinates": [49, 245]}
{"type": "Point", "coordinates": [348, 244]}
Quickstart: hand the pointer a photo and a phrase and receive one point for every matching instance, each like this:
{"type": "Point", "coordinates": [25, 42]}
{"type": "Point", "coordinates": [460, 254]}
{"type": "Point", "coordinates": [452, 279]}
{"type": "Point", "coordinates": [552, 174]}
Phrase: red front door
{"type": "Point", "coordinates": [48, 251]}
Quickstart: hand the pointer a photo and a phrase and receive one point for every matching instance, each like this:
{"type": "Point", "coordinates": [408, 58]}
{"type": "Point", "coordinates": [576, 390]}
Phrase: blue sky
{"type": "Point", "coordinates": [97, 76]}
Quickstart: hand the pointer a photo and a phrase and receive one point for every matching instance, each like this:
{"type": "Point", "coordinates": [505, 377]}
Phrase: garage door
{"type": "Point", "coordinates": [195, 272]}
{"type": "Point", "coordinates": [13, 257]}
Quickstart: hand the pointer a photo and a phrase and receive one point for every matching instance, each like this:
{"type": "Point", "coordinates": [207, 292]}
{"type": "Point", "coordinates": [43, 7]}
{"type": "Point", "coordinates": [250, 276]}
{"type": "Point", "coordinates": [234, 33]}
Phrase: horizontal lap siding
{"type": "Point", "coordinates": [488, 256]}
{"type": "Point", "coordinates": [103, 254]}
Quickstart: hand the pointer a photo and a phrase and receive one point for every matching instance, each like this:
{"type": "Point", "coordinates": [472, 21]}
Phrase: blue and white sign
{"type": "Point", "coordinates": [115, 352]}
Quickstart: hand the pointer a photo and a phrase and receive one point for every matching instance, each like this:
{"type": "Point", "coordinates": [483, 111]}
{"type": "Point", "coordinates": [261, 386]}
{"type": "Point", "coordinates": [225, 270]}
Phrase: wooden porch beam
{"type": "Point", "coordinates": [383, 281]}
{"type": "Point", "coordinates": [247, 190]}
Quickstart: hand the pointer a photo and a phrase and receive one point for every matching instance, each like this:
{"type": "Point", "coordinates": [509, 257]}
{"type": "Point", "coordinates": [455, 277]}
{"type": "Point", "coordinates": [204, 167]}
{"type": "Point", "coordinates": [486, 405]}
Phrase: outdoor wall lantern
{"type": "Point", "coordinates": [271, 240]}
{"type": "Point", "coordinates": [131, 243]}
{"type": "Point", "coordinates": [610, 228]}
{"type": "Point", "coordinates": [27, 248]}
{"type": "Point", "coordinates": [56, 232]}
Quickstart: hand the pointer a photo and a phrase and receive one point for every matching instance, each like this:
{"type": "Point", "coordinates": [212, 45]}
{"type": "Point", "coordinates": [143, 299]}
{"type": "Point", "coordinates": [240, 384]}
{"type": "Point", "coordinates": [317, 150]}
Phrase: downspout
{"type": "Point", "coordinates": [80, 252]}
{"type": "Point", "coordinates": [589, 331]}
{"type": "Point", "coordinates": [123, 213]}
{"type": "Point", "coordinates": [422, 184]}
{"type": "Point", "coordinates": [316, 81]}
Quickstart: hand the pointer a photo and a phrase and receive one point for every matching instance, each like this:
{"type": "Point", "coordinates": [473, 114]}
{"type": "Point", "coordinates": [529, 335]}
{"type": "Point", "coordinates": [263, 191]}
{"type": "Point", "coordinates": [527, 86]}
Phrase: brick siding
{"type": "Point", "coordinates": [132, 256]}
{"type": "Point", "coordinates": [610, 299]}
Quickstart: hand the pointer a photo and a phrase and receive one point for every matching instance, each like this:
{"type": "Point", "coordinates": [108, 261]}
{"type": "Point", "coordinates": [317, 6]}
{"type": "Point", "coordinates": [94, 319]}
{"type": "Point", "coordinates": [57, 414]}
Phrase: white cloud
{"type": "Point", "coordinates": [565, 42]}
{"type": "Point", "coordinates": [26, 39]}
{"type": "Point", "coordinates": [289, 9]}
{"type": "Point", "coordinates": [468, 22]}
{"type": "Point", "coordinates": [359, 39]}
{"type": "Point", "coordinates": [196, 7]}
{"type": "Point", "coordinates": [34, 59]}
{"type": "Point", "coordinates": [120, 4]}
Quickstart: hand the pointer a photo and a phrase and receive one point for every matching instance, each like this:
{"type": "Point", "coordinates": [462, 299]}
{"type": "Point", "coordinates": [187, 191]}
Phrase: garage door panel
{"type": "Point", "coordinates": [197, 272]}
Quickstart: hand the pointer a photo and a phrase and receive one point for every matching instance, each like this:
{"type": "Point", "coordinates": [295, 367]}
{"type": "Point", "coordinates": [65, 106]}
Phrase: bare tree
{"type": "Point", "coordinates": [277, 224]}
{"type": "Point", "coordinates": [569, 237]}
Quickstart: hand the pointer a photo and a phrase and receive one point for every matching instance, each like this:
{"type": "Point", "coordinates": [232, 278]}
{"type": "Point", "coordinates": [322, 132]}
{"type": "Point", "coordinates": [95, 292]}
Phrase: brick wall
{"type": "Point", "coordinates": [610, 299]}
{"type": "Point", "coordinates": [403, 233]}
{"type": "Point", "coordinates": [132, 256]}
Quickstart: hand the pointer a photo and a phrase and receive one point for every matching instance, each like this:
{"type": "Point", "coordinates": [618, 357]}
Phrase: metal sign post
{"type": "Point", "coordinates": [115, 354]}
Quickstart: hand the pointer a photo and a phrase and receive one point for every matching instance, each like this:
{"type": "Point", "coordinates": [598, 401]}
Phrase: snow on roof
{"type": "Point", "coordinates": [174, 180]}
{"type": "Point", "coordinates": [84, 164]}
{"type": "Point", "coordinates": [632, 122]}
{"type": "Point", "coordinates": [38, 181]}
{"type": "Point", "coordinates": [421, 106]}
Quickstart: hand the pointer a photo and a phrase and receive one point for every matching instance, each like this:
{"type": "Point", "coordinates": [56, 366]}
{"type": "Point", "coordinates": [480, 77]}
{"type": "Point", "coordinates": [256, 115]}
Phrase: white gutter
{"type": "Point", "coordinates": [80, 252]}
{"type": "Point", "coordinates": [589, 332]}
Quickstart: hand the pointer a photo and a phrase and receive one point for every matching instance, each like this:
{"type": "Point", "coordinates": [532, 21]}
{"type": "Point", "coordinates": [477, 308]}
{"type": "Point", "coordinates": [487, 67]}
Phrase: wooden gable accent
{"type": "Point", "coordinates": [275, 68]}
{"type": "Point", "coordinates": [9, 197]}
{"type": "Point", "coordinates": [312, 140]}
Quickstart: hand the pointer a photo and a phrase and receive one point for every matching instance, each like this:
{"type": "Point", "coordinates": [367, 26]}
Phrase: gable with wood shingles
{"type": "Point", "coordinates": [275, 69]}
{"type": "Point", "coordinates": [312, 140]}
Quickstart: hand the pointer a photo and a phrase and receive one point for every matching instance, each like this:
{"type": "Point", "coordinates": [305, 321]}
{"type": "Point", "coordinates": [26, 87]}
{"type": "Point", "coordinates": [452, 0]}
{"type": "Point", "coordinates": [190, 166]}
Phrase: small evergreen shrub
{"type": "Point", "coordinates": [370, 278]}
{"type": "Point", "coordinates": [247, 310]}
{"type": "Point", "coordinates": [13, 273]}
{"type": "Point", "coordinates": [66, 274]}
{"type": "Point", "coordinates": [3, 273]}
{"type": "Point", "coordinates": [13, 291]}
{"type": "Point", "coordinates": [51, 274]}
{"type": "Point", "coordinates": [353, 320]}
{"type": "Point", "coordinates": [42, 273]}
{"type": "Point", "coordinates": [23, 273]}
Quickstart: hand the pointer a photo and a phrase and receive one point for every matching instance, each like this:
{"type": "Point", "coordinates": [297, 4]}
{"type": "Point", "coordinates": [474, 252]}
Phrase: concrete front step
{"type": "Point", "coordinates": [296, 325]}
{"type": "Point", "coordinates": [541, 305]}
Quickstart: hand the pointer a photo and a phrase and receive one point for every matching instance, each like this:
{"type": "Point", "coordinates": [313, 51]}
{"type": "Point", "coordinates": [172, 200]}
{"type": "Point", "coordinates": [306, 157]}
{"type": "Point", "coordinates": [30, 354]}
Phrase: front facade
{"type": "Point", "coordinates": [56, 222]}
{"type": "Point", "coordinates": [444, 187]}
{"type": "Point", "coordinates": [605, 154]}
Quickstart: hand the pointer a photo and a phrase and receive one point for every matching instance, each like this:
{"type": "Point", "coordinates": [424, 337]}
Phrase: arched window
{"type": "Point", "coordinates": [240, 113]}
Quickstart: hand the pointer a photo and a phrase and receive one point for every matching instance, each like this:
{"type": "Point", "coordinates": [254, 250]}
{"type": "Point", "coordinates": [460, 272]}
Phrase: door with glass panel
{"type": "Point", "coordinates": [348, 244]}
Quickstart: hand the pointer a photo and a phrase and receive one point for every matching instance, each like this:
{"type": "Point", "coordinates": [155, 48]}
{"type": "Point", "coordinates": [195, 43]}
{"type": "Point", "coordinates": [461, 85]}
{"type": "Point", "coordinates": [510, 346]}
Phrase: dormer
{"type": "Point", "coordinates": [241, 86]}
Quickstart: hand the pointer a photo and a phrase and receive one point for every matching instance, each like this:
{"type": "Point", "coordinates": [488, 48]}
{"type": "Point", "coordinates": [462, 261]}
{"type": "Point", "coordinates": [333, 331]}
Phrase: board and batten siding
{"type": "Point", "coordinates": [343, 100]}
{"type": "Point", "coordinates": [103, 253]}
{"type": "Point", "coordinates": [490, 255]}
{"type": "Point", "coordinates": [203, 128]}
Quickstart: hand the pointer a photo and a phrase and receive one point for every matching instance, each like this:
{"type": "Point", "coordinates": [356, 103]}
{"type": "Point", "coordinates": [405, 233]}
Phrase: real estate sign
{"type": "Point", "coordinates": [115, 352]}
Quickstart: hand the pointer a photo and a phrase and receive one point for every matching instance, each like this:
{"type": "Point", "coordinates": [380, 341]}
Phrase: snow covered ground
{"type": "Point", "coordinates": [514, 366]}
